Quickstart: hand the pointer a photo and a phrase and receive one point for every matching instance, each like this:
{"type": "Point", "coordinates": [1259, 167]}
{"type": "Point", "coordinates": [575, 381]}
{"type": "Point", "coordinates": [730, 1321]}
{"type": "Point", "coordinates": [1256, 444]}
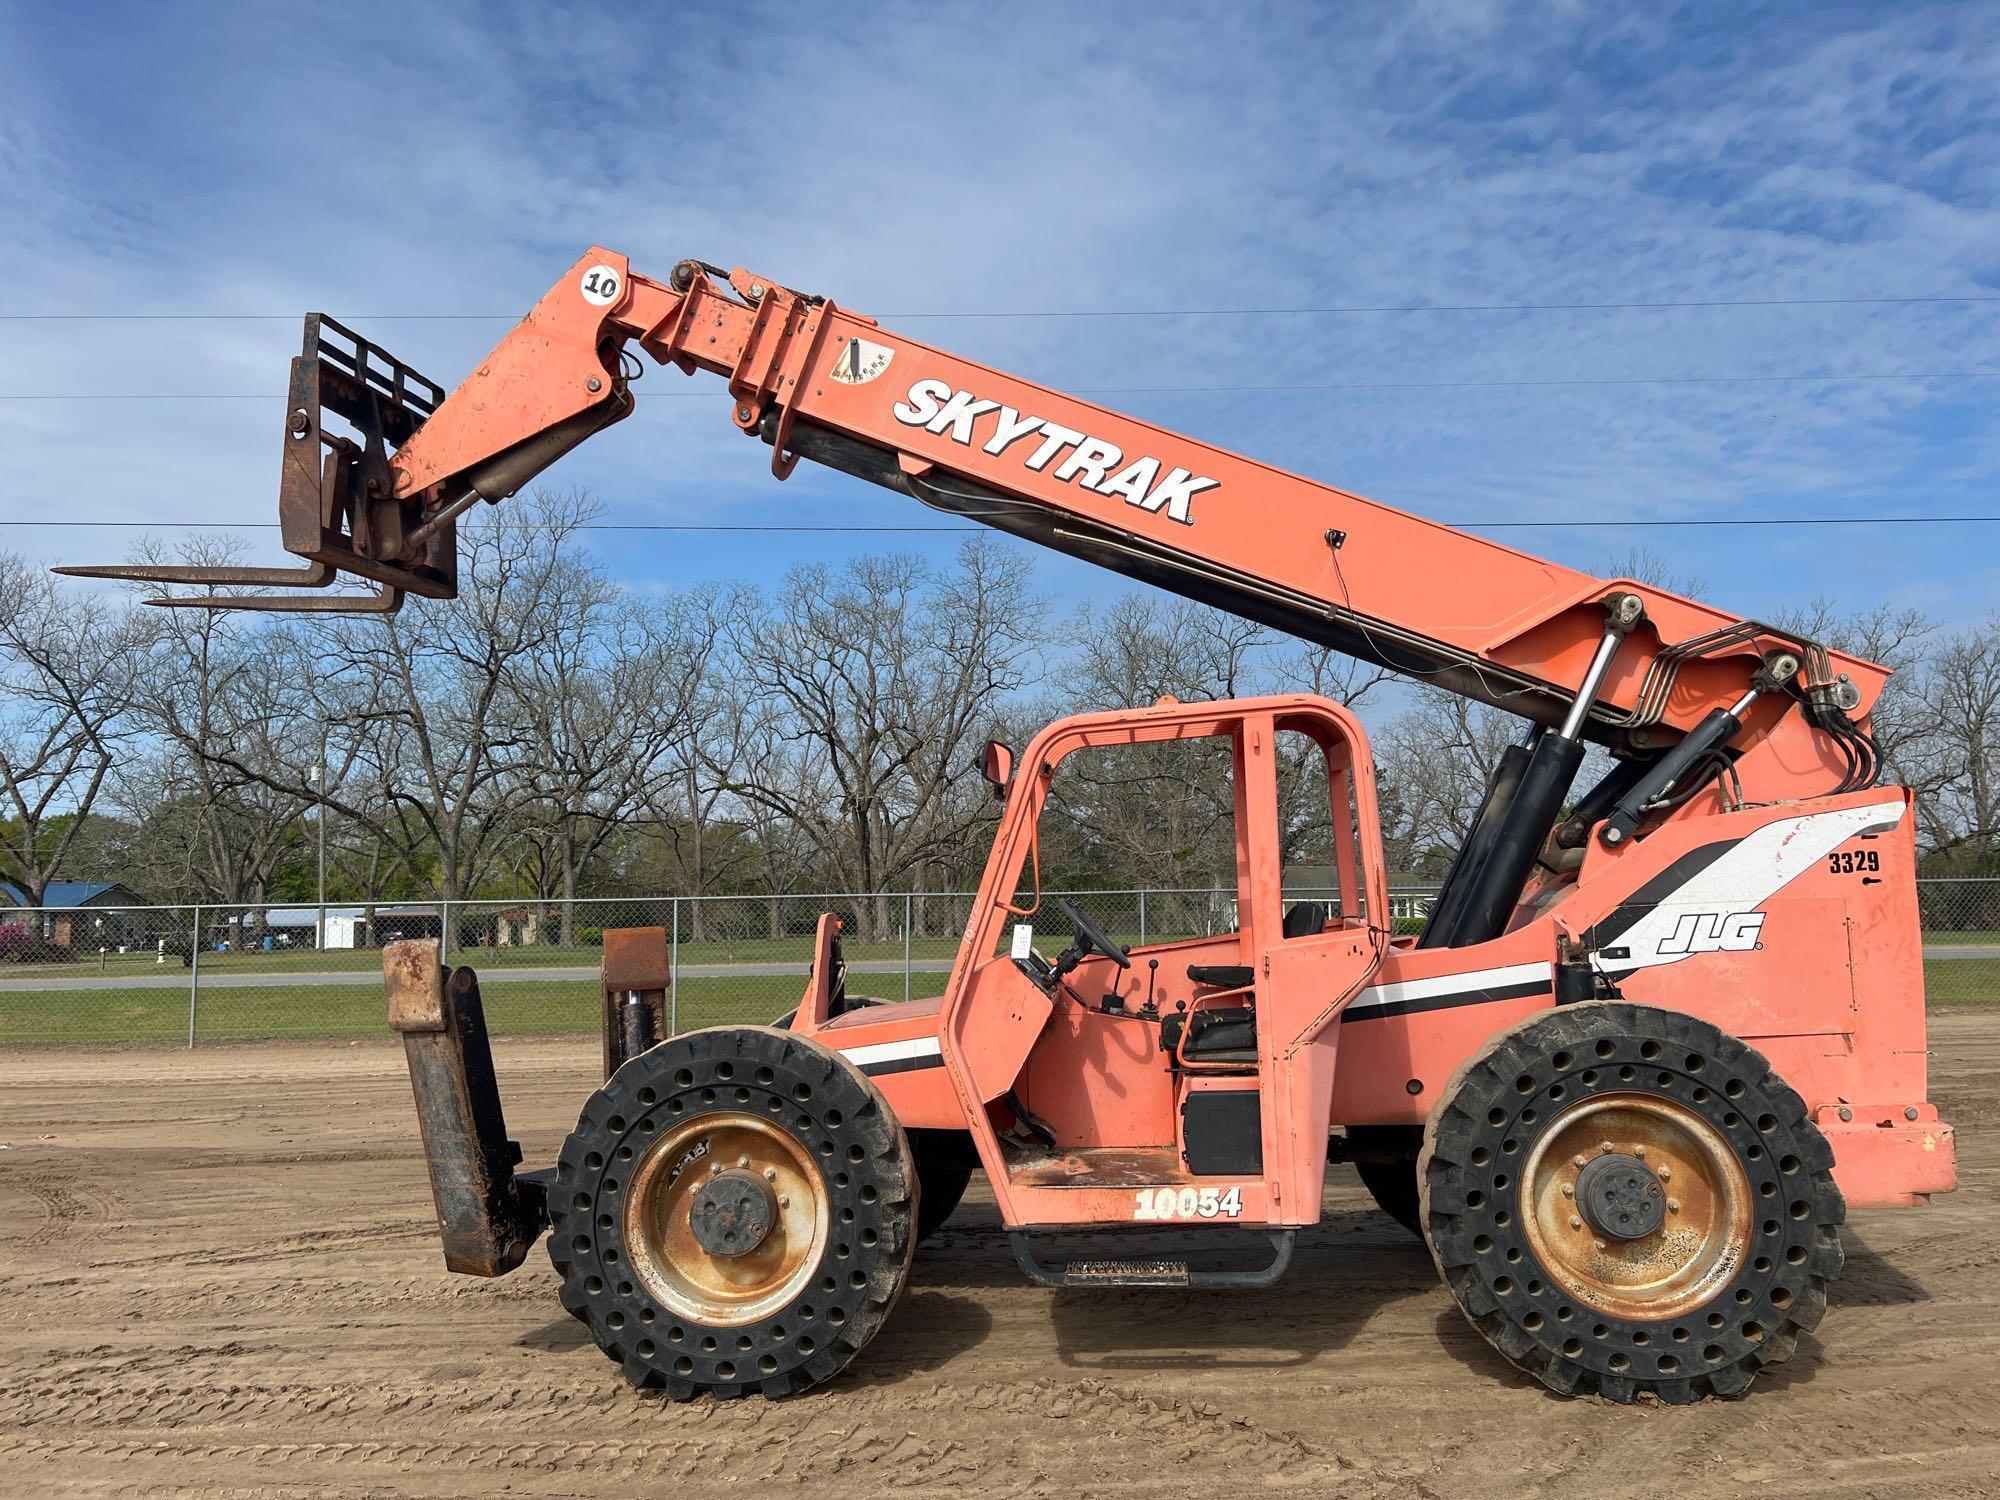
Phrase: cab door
{"type": "Point", "coordinates": [1327, 940]}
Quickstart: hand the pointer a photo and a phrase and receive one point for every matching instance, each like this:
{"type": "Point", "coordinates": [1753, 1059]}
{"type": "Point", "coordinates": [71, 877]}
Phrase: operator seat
{"type": "Point", "coordinates": [1228, 1034]}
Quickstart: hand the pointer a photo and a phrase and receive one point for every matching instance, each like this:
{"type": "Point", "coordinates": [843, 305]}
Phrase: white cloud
{"type": "Point", "coordinates": [917, 157]}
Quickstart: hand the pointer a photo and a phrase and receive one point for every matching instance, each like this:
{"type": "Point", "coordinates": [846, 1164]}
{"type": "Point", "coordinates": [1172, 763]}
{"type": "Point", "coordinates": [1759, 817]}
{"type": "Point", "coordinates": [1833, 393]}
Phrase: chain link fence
{"type": "Point", "coordinates": [214, 973]}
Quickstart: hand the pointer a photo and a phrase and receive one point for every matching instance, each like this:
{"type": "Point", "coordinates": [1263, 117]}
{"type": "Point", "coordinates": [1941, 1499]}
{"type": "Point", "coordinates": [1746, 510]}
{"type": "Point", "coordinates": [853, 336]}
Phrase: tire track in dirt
{"type": "Point", "coordinates": [223, 1279]}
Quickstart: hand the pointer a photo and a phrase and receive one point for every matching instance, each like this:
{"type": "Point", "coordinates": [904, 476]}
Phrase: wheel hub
{"type": "Point", "coordinates": [1637, 1205]}
{"type": "Point", "coordinates": [731, 1214]}
{"type": "Point", "coordinates": [1621, 1197]}
{"type": "Point", "coordinates": [725, 1245]}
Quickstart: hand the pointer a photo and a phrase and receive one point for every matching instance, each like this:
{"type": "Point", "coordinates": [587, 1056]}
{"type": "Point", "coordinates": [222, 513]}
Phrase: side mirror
{"type": "Point", "coordinates": [996, 764]}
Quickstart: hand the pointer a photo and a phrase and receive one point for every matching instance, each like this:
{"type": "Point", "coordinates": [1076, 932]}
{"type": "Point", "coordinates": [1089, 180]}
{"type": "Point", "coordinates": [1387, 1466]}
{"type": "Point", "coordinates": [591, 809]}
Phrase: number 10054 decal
{"type": "Point", "coordinates": [1187, 1203]}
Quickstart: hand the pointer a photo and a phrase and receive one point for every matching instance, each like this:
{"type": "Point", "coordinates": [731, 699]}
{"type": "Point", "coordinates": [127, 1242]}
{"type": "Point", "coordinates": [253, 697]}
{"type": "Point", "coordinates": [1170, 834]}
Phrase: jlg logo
{"type": "Point", "coordinates": [1713, 932]}
{"type": "Point", "coordinates": [934, 406]}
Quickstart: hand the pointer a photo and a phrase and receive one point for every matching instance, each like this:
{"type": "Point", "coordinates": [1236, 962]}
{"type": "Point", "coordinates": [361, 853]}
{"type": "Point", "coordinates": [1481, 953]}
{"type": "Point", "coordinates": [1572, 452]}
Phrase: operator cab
{"type": "Point", "coordinates": [1134, 1033]}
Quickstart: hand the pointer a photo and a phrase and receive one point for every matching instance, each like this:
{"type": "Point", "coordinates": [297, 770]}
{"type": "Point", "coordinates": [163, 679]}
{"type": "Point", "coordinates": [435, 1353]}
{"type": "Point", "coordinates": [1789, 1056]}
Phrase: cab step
{"type": "Point", "coordinates": [1127, 1273]}
{"type": "Point", "coordinates": [1150, 1271]}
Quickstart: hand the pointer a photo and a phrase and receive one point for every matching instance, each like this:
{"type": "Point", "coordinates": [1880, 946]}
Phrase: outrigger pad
{"type": "Point", "coordinates": [488, 1217]}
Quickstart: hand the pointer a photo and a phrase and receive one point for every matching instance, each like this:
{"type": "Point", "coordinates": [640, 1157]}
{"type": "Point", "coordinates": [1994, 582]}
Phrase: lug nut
{"type": "Point", "coordinates": [1575, 1222]}
{"type": "Point", "coordinates": [1638, 1150]}
{"type": "Point", "coordinates": [1579, 1160]}
{"type": "Point", "coordinates": [1604, 1148]}
{"type": "Point", "coordinates": [783, 1201]}
{"type": "Point", "coordinates": [1665, 1174]}
{"type": "Point", "coordinates": [1673, 1205]}
{"type": "Point", "coordinates": [1598, 1243]}
{"type": "Point", "coordinates": [770, 1174]}
{"type": "Point", "coordinates": [1568, 1191]}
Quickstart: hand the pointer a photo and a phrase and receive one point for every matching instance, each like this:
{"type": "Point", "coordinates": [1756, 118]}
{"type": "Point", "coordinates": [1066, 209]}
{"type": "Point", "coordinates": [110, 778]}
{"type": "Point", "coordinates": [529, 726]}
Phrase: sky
{"type": "Point", "coordinates": [426, 171]}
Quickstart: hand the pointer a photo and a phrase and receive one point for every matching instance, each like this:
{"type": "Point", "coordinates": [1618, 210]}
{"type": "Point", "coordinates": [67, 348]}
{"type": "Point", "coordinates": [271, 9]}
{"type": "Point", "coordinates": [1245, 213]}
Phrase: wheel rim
{"type": "Point", "coordinates": [671, 1201]}
{"type": "Point", "coordinates": [1592, 1233]}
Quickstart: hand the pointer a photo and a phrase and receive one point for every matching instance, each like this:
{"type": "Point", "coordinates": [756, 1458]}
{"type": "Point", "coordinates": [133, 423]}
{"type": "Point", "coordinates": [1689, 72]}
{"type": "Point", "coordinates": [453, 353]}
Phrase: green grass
{"type": "Point", "coordinates": [531, 1006]}
{"type": "Point", "coordinates": [520, 1008]}
{"type": "Point", "coordinates": [1962, 981]}
{"type": "Point", "coordinates": [787, 950]}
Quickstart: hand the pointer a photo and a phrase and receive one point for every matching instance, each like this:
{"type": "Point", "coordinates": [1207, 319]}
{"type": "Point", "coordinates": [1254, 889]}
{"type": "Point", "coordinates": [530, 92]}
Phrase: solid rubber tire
{"type": "Point", "coordinates": [945, 1160]}
{"type": "Point", "coordinates": [863, 1156]}
{"type": "Point", "coordinates": [1503, 1094]}
{"type": "Point", "coordinates": [1393, 1184]}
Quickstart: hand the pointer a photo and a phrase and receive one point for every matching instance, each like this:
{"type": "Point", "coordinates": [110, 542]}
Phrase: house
{"type": "Point", "coordinates": [516, 927]}
{"type": "Point", "coordinates": [301, 926]}
{"type": "Point", "coordinates": [83, 914]}
{"type": "Point", "coordinates": [412, 920]}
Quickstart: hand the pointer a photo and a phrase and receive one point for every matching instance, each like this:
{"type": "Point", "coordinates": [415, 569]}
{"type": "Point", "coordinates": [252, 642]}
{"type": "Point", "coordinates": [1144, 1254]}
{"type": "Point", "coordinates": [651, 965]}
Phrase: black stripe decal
{"type": "Point", "coordinates": [1642, 901]}
{"type": "Point", "coordinates": [903, 1065]}
{"type": "Point", "coordinates": [1485, 996]}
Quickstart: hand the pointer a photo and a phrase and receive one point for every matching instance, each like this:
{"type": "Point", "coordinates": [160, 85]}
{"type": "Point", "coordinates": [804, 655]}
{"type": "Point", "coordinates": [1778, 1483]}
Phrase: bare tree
{"type": "Point", "coordinates": [876, 682]}
{"type": "Point", "coordinates": [64, 659]}
{"type": "Point", "coordinates": [199, 676]}
{"type": "Point", "coordinates": [1957, 759]}
{"type": "Point", "coordinates": [415, 715]}
{"type": "Point", "coordinates": [1160, 815]}
{"type": "Point", "coordinates": [607, 706]}
{"type": "Point", "coordinates": [1649, 565]}
{"type": "Point", "coordinates": [1144, 646]}
{"type": "Point", "coordinates": [693, 809]}
{"type": "Point", "coordinates": [1434, 758]}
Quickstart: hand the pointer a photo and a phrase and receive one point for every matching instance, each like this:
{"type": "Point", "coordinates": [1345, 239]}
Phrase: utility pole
{"type": "Point", "coordinates": [319, 791]}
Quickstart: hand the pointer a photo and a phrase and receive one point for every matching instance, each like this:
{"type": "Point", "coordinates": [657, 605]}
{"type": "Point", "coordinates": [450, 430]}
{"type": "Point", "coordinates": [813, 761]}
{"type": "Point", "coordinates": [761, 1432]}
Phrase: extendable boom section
{"type": "Point", "coordinates": [379, 499]}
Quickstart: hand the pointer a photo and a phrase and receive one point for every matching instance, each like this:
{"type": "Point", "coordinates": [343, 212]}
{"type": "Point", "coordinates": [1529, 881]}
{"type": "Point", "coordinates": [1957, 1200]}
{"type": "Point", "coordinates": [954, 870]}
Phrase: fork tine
{"type": "Point", "coordinates": [313, 576]}
{"type": "Point", "coordinates": [385, 602]}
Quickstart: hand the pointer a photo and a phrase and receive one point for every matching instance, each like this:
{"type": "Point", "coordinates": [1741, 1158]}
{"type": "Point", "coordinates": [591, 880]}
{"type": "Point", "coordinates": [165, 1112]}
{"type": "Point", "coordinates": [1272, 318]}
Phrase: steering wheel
{"type": "Point", "coordinates": [1090, 935]}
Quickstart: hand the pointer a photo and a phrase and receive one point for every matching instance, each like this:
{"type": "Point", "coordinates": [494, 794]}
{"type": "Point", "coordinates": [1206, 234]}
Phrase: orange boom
{"type": "Point", "coordinates": [1656, 1034]}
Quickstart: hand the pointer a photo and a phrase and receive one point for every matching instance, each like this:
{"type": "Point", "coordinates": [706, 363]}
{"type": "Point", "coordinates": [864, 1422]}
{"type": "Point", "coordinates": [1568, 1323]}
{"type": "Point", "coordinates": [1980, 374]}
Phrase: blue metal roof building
{"type": "Point", "coordinates": [78, 893]}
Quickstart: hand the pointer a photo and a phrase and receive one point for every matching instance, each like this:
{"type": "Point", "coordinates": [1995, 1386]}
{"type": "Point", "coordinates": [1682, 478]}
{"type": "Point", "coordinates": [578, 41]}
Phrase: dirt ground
{"type": "Point", "coordinates": [219, 1275]}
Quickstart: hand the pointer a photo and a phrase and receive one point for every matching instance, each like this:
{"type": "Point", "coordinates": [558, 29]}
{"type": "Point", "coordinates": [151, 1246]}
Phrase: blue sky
{"type": "Point", "coordinates": [371, 159]}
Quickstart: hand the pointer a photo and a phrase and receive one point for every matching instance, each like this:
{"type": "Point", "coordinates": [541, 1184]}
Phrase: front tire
{"type": "Point", "coordinates": [1387, 1167]}
{"type": "Point", "coordinates": [734, 1212]}
{"type": "Point", "coordinates": [1627, 1200]}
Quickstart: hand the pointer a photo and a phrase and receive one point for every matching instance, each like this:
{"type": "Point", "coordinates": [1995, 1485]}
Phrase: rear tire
{"type": "Point", "coordinates": [735, 1212]}
{"type": "Point", "coordinates": [1629, 1201]}
{"type": "Point", "coordinates": [945, 1159]}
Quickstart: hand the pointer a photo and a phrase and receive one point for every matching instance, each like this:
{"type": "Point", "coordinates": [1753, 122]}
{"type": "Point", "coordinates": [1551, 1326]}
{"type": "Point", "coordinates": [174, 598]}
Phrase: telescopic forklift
{"type": "Point", "coordinates": [1656, 1034]}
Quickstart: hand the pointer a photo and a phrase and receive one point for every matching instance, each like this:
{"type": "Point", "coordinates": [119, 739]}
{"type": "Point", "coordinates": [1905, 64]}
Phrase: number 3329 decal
{"type": "Point", "coordinates": [1187, 1203]}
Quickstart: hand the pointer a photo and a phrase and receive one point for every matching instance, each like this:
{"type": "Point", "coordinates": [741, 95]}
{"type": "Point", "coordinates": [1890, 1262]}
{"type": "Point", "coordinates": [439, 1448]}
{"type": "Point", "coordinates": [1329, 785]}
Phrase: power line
{"type": "Point", "coordinates": [1467, 525]}
{"type": "Point", "coordinates": [1329, 310]}
{"type": "Point", "coordinates": [1183, 390]}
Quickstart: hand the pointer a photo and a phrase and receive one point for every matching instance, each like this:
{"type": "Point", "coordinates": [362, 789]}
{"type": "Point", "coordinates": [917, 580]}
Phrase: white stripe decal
{"type": "Point", "coordinates": [1751, 873]}
{"type": "Point", "coordinates": [881, 1052]}
{"type": "Point", "coordinates": [1452, 984]}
